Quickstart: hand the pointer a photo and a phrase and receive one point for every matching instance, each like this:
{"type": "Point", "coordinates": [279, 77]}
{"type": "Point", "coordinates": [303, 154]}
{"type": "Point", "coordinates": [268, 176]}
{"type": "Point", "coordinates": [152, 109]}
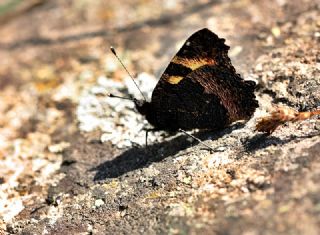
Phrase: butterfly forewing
{"type": "Point", "coordinates": [200, 88]}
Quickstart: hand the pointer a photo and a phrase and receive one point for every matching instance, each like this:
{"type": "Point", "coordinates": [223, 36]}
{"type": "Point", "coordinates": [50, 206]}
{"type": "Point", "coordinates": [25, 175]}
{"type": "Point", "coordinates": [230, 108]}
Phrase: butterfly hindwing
{"type": "Point", "coordinates": [235, 94]}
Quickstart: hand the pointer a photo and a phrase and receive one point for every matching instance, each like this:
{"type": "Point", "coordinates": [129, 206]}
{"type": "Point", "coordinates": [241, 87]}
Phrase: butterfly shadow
{"type": "Point", "coordinates": [262, 140]}
{"type": "Point", "coordinates": [139, 157]}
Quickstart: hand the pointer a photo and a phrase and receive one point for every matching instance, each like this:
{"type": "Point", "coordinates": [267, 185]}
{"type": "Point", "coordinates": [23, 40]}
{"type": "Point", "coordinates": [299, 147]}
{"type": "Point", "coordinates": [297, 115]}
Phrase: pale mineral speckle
{"type": "Point", "coordinates": [117, 118]}
{"type": "Point", "coordinates": [98, 203]}
{"type": "Point", "coordinates": [235, 51]}
{"type": "Point", "coordinates": [10, 208]}
{"type": "Point", "coordinates": [59, 147]}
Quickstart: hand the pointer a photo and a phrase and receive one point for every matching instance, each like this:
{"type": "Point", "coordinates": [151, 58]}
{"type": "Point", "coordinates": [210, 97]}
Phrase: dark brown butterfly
{"type": "Point", "coordinates": [199, 89]}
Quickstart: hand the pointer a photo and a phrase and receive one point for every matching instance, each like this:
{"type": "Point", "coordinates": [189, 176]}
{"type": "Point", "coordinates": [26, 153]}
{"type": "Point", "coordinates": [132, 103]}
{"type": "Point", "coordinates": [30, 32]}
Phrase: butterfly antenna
{"type": "Point", "coordinates": [120, 97]}
{"type": "Point", "coordinates": [114, 52]}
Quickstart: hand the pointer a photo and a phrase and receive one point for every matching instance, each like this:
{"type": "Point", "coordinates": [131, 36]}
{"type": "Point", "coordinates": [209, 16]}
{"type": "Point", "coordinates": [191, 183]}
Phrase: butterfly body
{"type": "Point", "coordinates": [199, 89]}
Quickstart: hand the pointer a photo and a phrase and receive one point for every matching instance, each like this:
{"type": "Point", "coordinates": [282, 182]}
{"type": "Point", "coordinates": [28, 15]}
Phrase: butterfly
{"type": "Point", "coordinates": [200, 89]}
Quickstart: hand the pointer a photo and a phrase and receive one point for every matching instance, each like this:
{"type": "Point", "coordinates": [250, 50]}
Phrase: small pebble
{"type": "Point", "coordinates": [98, 203]}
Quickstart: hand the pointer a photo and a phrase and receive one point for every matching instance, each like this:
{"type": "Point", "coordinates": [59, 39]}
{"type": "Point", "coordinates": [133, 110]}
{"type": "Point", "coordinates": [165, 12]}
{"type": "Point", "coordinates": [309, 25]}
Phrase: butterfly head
{"type": "Point", "coordinates": [142, 106]}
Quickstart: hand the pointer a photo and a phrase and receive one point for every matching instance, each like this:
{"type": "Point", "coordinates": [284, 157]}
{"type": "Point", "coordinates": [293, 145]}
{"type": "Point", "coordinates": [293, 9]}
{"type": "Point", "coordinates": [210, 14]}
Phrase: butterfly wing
{"type": "Point", "coordinates": [200, 88]}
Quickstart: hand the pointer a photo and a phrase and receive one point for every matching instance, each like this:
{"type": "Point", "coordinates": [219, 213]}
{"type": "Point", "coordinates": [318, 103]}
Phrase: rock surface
{"type": "Point", "coordinates": [61, 174]}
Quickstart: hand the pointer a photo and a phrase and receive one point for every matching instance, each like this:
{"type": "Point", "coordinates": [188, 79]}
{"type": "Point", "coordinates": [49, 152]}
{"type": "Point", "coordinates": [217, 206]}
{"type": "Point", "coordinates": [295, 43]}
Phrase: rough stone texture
{"type": "Point", "coordinates": [252, 184]}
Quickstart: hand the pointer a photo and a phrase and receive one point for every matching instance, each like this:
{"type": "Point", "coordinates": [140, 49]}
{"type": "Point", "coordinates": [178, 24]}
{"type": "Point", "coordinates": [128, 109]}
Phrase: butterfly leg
{"type": "Point", "coordinates": [197, 139]}
{"type": "Point", "coordinates": [150, 130]}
